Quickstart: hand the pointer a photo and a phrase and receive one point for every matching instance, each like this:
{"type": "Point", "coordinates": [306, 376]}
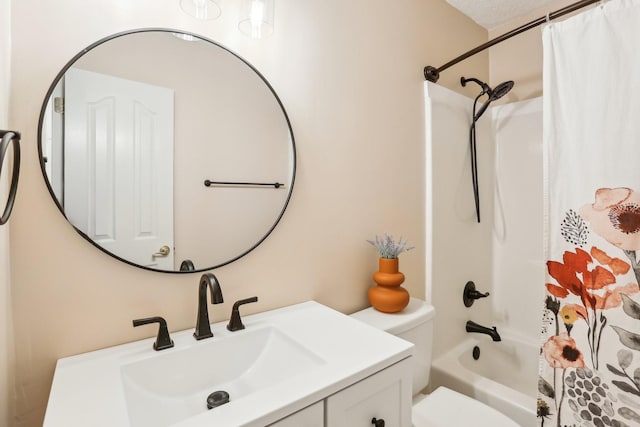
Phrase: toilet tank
{"type": "Point", "coordinates": [414, 324]}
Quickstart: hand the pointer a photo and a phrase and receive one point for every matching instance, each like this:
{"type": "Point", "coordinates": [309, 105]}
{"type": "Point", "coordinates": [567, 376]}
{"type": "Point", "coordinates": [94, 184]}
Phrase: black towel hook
{"type": "Point", "coordinates": [7, 138]}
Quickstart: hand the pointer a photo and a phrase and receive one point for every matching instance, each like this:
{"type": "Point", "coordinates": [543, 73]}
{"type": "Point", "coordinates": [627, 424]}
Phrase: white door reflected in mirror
{"type": "Point", "coordinates": [118, 163]}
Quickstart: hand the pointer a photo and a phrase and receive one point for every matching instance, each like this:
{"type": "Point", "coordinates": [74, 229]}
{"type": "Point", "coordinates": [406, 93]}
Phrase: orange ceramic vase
{"type": "Point", "coordinates": [388, 296]}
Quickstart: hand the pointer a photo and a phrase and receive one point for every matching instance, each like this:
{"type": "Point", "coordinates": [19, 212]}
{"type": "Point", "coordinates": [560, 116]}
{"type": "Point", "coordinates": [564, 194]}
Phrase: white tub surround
{"type": "Point", "coordinates": [508, 243]}
{"type": "Point", "coordinates": [503, 254]}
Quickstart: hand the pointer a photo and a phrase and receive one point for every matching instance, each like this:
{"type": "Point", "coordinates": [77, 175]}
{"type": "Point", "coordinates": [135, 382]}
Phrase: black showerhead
{"type": "Point", "coordinates": [492, 94]}
{"type": "Point", "coordinates": [501, 90]}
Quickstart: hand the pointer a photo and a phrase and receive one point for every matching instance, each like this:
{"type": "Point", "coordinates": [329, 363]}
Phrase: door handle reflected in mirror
{"type": "Point", "coordinates": [164, 251]}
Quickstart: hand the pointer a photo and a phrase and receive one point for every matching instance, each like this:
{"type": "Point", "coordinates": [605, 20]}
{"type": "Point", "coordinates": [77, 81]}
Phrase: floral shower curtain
{"type": "Point", "coordinates": [590, 352]}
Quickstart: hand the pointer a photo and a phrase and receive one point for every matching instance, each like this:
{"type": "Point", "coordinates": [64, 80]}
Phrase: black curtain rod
{"type": "Point", "coordinates": [433, 74]}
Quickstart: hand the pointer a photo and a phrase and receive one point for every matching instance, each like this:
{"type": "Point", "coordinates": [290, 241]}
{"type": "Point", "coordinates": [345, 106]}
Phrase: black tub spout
{"type": "Point", "coordinates": [492, 332]}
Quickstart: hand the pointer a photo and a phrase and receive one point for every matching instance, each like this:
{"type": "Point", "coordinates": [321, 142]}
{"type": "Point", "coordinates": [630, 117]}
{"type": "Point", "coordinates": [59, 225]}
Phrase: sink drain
{"type": "Point", "coordinates": [217, 398]}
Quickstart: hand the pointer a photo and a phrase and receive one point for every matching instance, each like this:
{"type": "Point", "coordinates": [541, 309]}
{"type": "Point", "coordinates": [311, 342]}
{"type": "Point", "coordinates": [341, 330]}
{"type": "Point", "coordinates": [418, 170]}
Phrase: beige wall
{"type": "Point", "coordinates": [520, 58]}
{"type": "Point", "coordinates": [350, 77]}
{"type": "Point", "coordinates": [6, 331]}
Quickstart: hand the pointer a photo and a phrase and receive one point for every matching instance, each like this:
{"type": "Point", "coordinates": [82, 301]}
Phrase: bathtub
{"type": "Point", "coordinates": [505, 376]}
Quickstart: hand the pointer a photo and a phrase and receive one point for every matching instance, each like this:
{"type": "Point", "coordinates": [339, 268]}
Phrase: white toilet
{"type": "Point", "coordinates": [443, 407]}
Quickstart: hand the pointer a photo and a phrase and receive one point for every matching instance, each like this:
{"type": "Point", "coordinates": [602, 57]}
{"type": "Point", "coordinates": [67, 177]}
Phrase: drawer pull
{"type": "Point", "coordinates": [377, 423]}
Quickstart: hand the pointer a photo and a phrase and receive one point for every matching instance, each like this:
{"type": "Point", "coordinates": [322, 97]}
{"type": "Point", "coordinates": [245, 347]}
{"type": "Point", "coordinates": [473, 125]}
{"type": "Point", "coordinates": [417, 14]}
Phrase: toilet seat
{"type": "Point", "coordinates": [447, 408]}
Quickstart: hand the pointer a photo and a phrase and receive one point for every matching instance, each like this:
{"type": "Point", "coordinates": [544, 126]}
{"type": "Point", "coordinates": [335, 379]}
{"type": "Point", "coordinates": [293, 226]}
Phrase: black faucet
{"type": "Point", "coordinates": [163, 340]}
{"type": "Point", "coordinates": [492, 332]}
{"type": "Point", "coordinates": [203, 328]}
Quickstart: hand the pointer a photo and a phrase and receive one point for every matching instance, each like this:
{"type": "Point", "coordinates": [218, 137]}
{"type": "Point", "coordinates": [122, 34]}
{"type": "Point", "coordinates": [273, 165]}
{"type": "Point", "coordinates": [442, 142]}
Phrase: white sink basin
{"type": "Point", "coordinates": [285, 360]}
{"type": "Point", "coordinates": [175, 385]}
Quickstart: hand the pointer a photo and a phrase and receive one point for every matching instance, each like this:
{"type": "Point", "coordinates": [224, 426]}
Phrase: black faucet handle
{"type": "Point", "coordinates": [235, 323]}
{"type": "Point", "coordinates": [470, 294]}
{"type": "Point", "coordinates": [163, 340]}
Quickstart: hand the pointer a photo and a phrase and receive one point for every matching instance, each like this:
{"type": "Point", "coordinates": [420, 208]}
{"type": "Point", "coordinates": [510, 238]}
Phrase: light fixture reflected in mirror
{"type": "Point", "coordinates": [256, 18]}
{"type": "Point", "coordinates": [185, 37]}
{"type": "Point", "coordinates": [201, 9]}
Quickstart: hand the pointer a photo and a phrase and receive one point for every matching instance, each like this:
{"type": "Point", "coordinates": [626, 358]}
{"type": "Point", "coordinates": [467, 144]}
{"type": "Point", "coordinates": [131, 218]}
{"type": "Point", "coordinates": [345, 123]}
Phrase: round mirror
{"type": "Point", "coordinates": [166, 150]}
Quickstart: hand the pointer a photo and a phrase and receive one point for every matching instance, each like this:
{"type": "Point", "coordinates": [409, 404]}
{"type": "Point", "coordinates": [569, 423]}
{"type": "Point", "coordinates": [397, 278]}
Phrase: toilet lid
{"type": "Point", "coordinates": [448, 408]}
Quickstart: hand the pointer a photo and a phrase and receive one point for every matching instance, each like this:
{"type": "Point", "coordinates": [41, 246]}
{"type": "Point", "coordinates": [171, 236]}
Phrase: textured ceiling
{"type": "Point", "coordinates": [491, 13]}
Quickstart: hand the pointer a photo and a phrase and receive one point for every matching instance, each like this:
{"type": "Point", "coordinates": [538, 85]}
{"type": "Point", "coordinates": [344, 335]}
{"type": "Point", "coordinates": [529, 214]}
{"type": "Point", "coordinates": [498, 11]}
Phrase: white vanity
{"type": "Point", "coordinates": [300, 366]}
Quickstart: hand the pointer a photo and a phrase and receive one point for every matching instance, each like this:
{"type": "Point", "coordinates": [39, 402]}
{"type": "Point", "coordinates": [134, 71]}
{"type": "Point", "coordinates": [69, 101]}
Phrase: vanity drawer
{"type": "Point", "coordinates": [385, 395]}
{"type": "Point", "coordinates": [311, 416]}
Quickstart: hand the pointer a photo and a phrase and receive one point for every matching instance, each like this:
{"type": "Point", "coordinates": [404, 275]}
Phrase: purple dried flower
{"type": "Point", "coordinates": [387, 246]}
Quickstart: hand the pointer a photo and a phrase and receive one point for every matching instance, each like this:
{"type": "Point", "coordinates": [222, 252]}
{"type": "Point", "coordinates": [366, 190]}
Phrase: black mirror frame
{"type": "Point", "coordinates": [70, 63]}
